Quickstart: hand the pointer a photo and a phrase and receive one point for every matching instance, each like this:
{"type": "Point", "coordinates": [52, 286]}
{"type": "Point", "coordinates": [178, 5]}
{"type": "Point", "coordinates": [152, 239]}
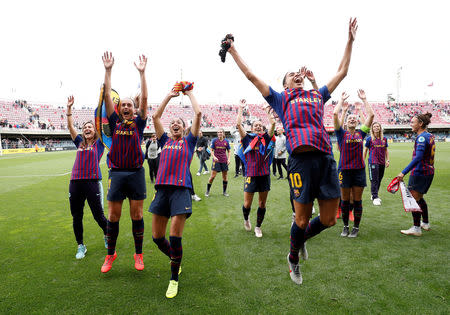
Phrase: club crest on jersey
{"type": "Point", "coordinates": [296, 192]}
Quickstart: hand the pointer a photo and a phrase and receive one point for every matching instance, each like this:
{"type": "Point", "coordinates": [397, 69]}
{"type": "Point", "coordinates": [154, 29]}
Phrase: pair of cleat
{"type": "Point", "coordinates": [248, 227]}
{"type": "Point", "coordinates": [109, 259]}
{"type": "Point", "coordinates": [347, 233]}
{"type": "Point", "coordinates": [416, 230]}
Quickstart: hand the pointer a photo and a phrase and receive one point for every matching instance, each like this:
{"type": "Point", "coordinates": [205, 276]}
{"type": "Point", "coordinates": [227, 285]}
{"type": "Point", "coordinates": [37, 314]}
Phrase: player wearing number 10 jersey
{"type": "Point", "coordinates": [312, 168]}
{"type": "Point", "coordinates": [422, 171]}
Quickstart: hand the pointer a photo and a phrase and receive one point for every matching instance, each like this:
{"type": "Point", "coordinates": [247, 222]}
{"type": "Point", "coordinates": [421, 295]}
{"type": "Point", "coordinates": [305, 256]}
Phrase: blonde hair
{"type": "Point", "coordinates": [372, 134]}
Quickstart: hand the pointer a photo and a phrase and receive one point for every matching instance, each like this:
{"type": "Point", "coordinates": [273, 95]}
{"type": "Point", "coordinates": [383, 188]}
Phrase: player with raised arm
{"type": "Point", "coordinates": [312, 168]}
{"type": "Point", "coordinates": [352, 176]}
{"type": "Point", "coordinates": [125, 159]}
{"type": "Point", "coordinates": [255, 146]}
{"type": "Point", "coordinates": [86, 178]}
{"type": "Point", "coordinates": [173, 185]}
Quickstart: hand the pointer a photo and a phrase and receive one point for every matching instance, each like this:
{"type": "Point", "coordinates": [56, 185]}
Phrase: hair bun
{"type": "Point", "coordinates": [429, 115]}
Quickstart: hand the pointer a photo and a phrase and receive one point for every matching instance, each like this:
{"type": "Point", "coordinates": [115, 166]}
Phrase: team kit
{"type": "Point", "coordinates": [312, 171]}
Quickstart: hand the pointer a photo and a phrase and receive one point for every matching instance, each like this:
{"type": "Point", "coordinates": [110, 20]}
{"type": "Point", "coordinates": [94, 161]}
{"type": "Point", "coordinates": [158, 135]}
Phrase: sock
{"type": "Point", "coordinates": [163, 245]}
{"type": "Point", "coordinates": [225, 184]}
{"type": "Point", "coordinates": [260, 216]}
{"type": "Point", "coordinates": [208, 187]}
{"type": "Point", "coordinates": [345, 211]}
{"type": "Point", "coordinates": [297, 241]}
{"type": "Point", "coordinates": [416, 218]}
{"type": "Point", "coordinates": [357, 212]}
{"type": "Point", "coordinates": [246, 212]}
{"type": "Point", "coordinates": [424, 207]}
{"type": "Point", "coordinates": [112, 231]}
{"type": "Point", "coordinates": [176, 253]}
{"type": "Point", "coordinates": [314, 227]}
{"type": "Point", "coordinates": [138, 234]}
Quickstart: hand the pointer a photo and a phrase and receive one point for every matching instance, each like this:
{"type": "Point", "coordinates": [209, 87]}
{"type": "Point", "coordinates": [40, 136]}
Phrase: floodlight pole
{"type": "Point", "coordinates": [399, 82]}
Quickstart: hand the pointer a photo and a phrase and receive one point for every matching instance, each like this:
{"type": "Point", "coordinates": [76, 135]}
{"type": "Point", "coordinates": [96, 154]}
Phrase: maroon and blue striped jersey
{"type": "Point", "coordinates": [257, 159]}
{"type": "Point", "coordinates": [301, 113]}
{"type": "Point", "coordinates": [220, 148]}
{"type": "Point", "coordinates": [377, 150]}
{"type": "Point", "coordinates": [422, 163]}
{"type": "Point", "coordinates": [126, 151]}
{"type": "Point", "coordinates": [87, 160]}
{"type": "Point", "coordinates": [351, 148]}
{"type": "Point", "coordinates": [174, 161]}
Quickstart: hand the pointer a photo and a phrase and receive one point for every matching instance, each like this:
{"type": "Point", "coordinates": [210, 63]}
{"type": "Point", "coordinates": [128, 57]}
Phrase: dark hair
{"type": "Point", "coordinates": [83, 143]}
{"type": "Point", "coordinates": [284, 79]}
{"type": "Point", "coordinates": [425, 119]}
{"type": "Point", "coordinates": [184, 124]}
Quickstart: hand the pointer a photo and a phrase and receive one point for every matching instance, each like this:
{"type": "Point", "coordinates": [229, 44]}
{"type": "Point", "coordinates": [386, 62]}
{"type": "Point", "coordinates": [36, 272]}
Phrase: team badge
{"type": "Point", "coordinates": [296, 192]}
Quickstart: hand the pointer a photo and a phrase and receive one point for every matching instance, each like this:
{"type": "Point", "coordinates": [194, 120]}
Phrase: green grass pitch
{"type": "Point", "coordinates": [226, 270]}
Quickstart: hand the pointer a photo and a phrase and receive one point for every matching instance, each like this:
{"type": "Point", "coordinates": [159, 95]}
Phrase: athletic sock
{"type": "Point", "coordinates": [297, 241]}
{"type": "Point", "coordinates": [345, 206]}
{"type": "Point", "coordinates": [112, 231]}
{"type": "Point", "coordinates": [416, 218]}
{"type": "Point", "coordinates": [246, 212]}
{"type": "Point", "coordinates": [225, 184]}
{"type": "Point", "coordinates": [163, 245]}
{"type": "Point", "coordinates": [260, 216]}
{"type": "Point", "coordinates": [314, 227]}
{"type": "Point", "coordinates": [208, 187]}
{"type": "Point", "coordinates": [424, 207]}
{"type": "Point", "coordinates": [138, 234]}
{"type": "Point", "coordinates": [176, 253]}
{"type": "Point", "coordinates": [357, 212]}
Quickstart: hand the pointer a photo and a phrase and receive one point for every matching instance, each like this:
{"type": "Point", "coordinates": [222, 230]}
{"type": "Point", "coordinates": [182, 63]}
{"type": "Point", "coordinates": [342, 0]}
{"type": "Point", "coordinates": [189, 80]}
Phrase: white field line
{"type": "Point", "coordinates": [45, 175]}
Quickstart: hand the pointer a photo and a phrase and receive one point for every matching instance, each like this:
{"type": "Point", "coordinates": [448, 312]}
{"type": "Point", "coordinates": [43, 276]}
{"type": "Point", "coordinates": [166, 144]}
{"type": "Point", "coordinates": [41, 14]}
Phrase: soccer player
{"type": "Point", "coordinates": [173, 185]}
{"type": "Point", "coordinates": [86, 178]}
{"type": "Point", "coordinates": [152, 155]}
{"type": "Point", "coordinates": [220, 153]}
{"type": "Point", "coordinates": [239, 165]}
{"type": "Point", "coordinates": [255, 148]}
{"type": "Point", "coordinates": [422, 171]}
{"type": "Point", "coordinates": [312, 168]}
{"type": "Point", "coordinates": [125, 159]}
{"type": "Point", "coordinates": [352, 176]}
{"type": "Point", "coordinates": [377, 146]}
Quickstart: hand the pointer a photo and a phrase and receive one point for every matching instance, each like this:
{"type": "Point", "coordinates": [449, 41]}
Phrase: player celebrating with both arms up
{"type": "Point", "coordinates": [312, 168]}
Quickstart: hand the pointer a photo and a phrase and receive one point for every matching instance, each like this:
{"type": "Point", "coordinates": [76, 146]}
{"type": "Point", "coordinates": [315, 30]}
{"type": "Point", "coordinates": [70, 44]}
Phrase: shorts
{"type": "Point", "coordinates": [171, 200]}
{"type": "Point", "coordinates": [421, 184]}
{"type": "Point", "coordinates": [313, 175]}
{"type": "Point", "coordinates": [219, 167]}
{"type": "Point", "coordinates": [351, 178]}
{"type": "Point", "coordinates": [126, 183]}
{"type": "Point", "coordinates": [257, 184]}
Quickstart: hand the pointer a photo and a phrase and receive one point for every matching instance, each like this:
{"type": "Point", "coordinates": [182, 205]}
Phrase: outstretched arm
{"type": "Point", "coordinates": [257, 82]}
{"type": "Point", "coordinates": [144, 94]}
{"type": "Point", "coordinates": [159, 129]}
{"type": "Point", "coordinates": [336, 120]}
{"type": "Point", "coordinates": [73, 132]}
{"type": "Point", "coordinates": [198, 114]}
{"type": "Point", "coordinates": [108, 62]}
{"type": "Point", "coordinates": [369, 110]}
{"type": "Point", "coordinates": [241, 129]}
{"type": "Point", "coordinates": [271, 130]}
{"type": "Point", "coordinates": [345, 62]}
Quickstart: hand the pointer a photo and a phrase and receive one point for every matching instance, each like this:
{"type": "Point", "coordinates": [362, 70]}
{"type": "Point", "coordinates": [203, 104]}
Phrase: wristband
{"type": "Point", "coordinates": [68, 115]}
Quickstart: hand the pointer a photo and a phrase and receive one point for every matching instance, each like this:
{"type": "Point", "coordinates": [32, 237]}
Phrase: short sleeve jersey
{"type": "Point", "coordinates": [377, 150]}
{"type": "Point", "coordinates": [301, 113]}
{"type": "Point", "coordinates": [174, 161]}
{"type": "Point", "coordinates": [220, 148]}
{"type": "Point", "coordinates": [87, 160]}
{"type": "Point", "coordinates": [126, 151]}
{"type": "Point", "coordinates": [257, 163]}
{"type": "Point", "coordinates": [424, 142]}
{"type": "Point", "coordinates": [351, 148]}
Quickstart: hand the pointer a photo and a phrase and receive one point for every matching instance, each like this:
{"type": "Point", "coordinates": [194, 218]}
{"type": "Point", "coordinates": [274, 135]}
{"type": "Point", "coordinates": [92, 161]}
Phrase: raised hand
{"type": "Point", "coordinates": [142, 64]}
{"type": "Point", "coordinates": [231, 42]}
{"type": "Point", "coordinates": [303, 71]}
{"type": "Point", "coordinates": [173, 93]}
{"type": "Point", "coordinates": [344, 96]}
{"type": "Point", "coordinates": [108, 60]}
{"type": "Point", "coordinates": [310, 76]}
{"type": "Point", "coordinates": [242, 103]}
{"type": "Point", "coordinates": [352, 28]}
{"type": "Point", "coordinates": [362, 94]}
{"type": "Point", "coordinates": [70, 101]}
